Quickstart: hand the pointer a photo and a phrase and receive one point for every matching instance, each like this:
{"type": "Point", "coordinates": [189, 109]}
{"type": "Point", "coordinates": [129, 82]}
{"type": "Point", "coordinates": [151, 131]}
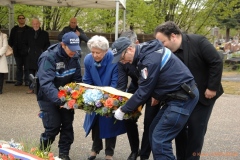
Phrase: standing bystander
{"type": "Point", "coordinates": [37, 41]}
{"type": "Point", "coordinates": [73, 27]}
{"type": "Point", "coordinates": [3, 59]}
{"type": "Point", "coordinates": [20, 50]}
{"type": "Point", "coordinates": [204, 62]}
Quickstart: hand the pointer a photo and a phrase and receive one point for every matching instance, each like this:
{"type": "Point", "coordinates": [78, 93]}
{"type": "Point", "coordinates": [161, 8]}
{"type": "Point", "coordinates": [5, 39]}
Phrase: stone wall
{"type": "Point", "coordinates": [110, 36]}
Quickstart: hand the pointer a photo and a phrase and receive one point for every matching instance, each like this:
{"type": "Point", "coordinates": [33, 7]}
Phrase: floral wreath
{"type": "Point", "coordinates": [100, 100]}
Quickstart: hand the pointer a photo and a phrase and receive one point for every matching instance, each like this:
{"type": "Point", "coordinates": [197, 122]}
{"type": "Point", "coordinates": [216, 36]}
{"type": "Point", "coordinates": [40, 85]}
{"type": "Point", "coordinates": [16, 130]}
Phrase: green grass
{"type": "Point", "coordinates": [31, 147]}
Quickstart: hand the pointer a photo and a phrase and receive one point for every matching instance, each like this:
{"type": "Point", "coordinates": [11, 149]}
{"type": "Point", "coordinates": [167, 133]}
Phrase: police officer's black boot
{"type": "Point", "coordinates": [64, 156]}
{"type": "Point", "coordinates": [45, 144]}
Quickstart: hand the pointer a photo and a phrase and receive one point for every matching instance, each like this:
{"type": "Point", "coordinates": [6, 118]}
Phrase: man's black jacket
{"type": "Point", "coordinates": [82, 37]}
{"type": "Point", "coordinates": [205, 64]}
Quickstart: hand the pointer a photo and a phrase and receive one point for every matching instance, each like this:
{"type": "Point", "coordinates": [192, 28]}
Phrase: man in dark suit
{"type": "Point", "coordinates": [37, 41]}
{"type": "Point", "coordinates": [204, 62]}
{"type": "Point", "coordinates": [19, 50]}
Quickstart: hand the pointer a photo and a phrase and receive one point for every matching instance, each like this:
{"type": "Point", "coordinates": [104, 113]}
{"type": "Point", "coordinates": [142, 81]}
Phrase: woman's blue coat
{"type": "Point", "coordinates": [104, 75]}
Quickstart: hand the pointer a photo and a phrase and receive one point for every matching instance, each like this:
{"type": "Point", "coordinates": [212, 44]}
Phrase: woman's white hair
{"type": "Point", "coordinates": [99, 42]}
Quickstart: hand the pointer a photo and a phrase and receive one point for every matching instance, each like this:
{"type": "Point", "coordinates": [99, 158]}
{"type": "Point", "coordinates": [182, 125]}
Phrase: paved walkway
{"type": "Point", "coordinates": [19, 120]}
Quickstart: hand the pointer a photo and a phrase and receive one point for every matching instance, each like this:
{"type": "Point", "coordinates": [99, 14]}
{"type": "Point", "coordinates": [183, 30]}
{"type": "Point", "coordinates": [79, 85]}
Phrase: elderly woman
{"type": "Point", "coordinates": [100, 71]}
{"type": "Point", "coordinates": [3, 59]}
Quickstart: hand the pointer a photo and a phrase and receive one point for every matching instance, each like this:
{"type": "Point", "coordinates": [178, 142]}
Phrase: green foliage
{"type": "Point", "coordinates": [28, 11]}
{"type": "Point", "coordinates": [142, 16]}
{"type": "Point", "coordinates": [97, 20]}
{"type": "Point", "coordinates": [4, 17]}
{"type": "Point", "coordinates": [193, 16]}
{"type": "Point", "coordinates": [55, 18]}
{"type": "Point", "coordinates": [228, 13]}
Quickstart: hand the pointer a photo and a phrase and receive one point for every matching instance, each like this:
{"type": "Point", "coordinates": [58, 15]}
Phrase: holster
{"type": "Point", "coordinates": [188, 90]}
{"type": "Point", "coordinates": [35, 83]}
{"type": "Point", "coordinates": [179, 95]}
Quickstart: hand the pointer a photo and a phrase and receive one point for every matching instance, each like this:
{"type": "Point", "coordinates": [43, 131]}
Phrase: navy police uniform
{"type": "Point", "coordinates": [56, 69]}
{"type": "Point", "coordinates": [164, 77]}
{"type": "Point", "coordinates": [125, 70]}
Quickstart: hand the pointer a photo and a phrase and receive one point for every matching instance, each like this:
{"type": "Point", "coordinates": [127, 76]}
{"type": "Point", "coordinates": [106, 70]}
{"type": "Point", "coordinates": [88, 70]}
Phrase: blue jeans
{"type": "Point", "coordinates": [169, 121]}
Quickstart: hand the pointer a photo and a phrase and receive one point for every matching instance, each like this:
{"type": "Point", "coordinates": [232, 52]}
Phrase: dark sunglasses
{"type": "Point", "coordinates": [21, 18]}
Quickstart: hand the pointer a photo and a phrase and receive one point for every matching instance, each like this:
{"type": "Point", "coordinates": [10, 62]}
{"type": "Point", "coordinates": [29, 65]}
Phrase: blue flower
{"type": "Point", "coordinates": [75, 106]}
{"type": "Point", "coordinates": [104, 110]}
{"type": "Point", "coordinates": [105, 96]}
{"type": "Point", "coordinates": [90, 96]}
{"type": "Point", "coordinates": [115, 102]}
{"type": "Point", "coordinates": [63, 99]}
{"type": "Point", "coordinates": [98, 103]}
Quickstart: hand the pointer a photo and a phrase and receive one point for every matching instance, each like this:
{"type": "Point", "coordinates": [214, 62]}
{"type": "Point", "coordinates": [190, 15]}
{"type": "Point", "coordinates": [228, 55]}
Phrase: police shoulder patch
{"type": "Point", "coordinates": [60, 65]}
{"type": "Point", "coordinates": [144, 73]}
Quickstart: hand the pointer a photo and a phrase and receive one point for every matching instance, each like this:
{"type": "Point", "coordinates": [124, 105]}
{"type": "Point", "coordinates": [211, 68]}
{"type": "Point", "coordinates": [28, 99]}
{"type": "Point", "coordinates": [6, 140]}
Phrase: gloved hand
{"type": "Point", "coordinates": [119, 114]}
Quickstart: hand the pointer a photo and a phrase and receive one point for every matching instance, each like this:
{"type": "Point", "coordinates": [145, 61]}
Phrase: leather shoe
{"type": "Point", "coordinates": [27, 83]}
{"type": "Point", "coordinates": [64, 157]}
{"type": "Point", "coordinates": [30, 92]}
{"type": "Point", "coordinates": [108, 157]}
{"type": "Point", "coordinates": [18, 84]}
{"type": "Point", "coordinates": [133, 156]}
{"type": "Point", "coordinates": [91, 157]}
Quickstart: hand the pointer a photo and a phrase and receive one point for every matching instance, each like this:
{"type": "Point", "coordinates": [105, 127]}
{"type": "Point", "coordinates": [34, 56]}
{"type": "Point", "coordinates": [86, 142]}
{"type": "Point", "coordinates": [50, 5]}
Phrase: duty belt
{"type": "Point", "coordinates": [183, 93]}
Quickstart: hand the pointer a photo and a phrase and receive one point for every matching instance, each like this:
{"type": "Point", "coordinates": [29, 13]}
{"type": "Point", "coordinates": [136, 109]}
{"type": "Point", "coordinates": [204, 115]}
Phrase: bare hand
{"type": "Point", "coordinates": [154, 102]}
{"type": "Point", "coordinates": [77, 33]}
{"type": "Point", "coordinates": [209, 94]}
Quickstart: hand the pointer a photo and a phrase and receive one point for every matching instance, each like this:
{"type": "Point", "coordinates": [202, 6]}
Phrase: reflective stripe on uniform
{"type": "Point", "coordinates": [66, 73]}
{"type": "Point", "coordinates": [165, 58]}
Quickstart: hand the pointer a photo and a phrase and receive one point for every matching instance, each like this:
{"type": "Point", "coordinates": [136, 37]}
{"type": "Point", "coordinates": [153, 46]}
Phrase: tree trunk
{"type": "Point", "coordinates": [227, 34]}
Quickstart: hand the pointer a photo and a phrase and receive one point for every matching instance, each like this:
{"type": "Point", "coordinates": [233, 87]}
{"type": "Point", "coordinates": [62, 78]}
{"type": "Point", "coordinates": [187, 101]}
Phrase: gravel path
{"type": "Point", "coordinates": [19, 120]}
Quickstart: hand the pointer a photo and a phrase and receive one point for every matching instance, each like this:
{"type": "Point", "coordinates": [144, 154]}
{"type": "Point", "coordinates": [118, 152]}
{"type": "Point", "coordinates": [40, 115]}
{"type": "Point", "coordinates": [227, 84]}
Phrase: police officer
{"type": "Point", "coordinates": [163, 77]}
{"type": "Point", "coordinates": [125, 70]}
{"type": "Point", "coordinates": [58, 66]}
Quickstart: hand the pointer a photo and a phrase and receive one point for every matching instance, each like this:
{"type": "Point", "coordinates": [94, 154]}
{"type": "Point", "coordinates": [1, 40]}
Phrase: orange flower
{"type": "Point", "coordinates": [75, 94]}
{"type": "Point", "coordinates": [81, 90]}
{"type": "Point", "coordinates": [4, 157]}
{"type": "Point", "coordinates": [33, 149]}
{"type": "Point", "coordinates": [62, 93]}
{"type": "Point", "coordinates": [71, 103]}
{"type": "Point", "coordinates": [109, 103]}
{"type": "Point", "coordinates": [11, 157]}
{"type": "Point", "coordinates": [50, 154]}
{"type": "Point", "coordinates": [115, 96]}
